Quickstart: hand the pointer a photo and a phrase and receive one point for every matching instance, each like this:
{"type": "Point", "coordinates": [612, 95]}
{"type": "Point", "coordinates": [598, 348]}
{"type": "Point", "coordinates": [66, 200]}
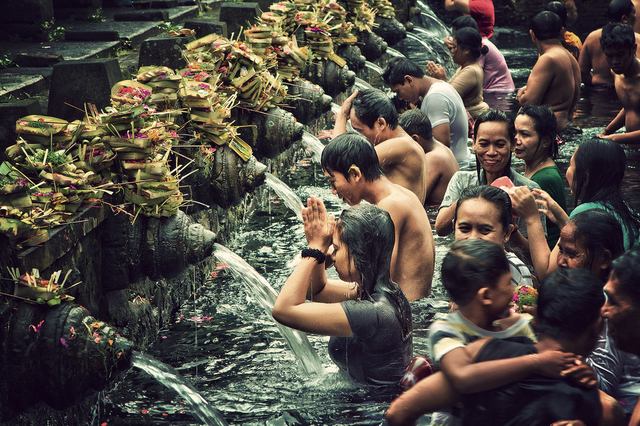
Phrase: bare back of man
{"type": "Point", "coordinates": [594, 69]}
{"type": "Point", "coordinates": [412, 261]}
{"type": "Point", "coordinates": [441, 165]}
{"type": "Point", "coordinates": [554, 81]}
{"type": "Point", "coordinates": [404, 163]}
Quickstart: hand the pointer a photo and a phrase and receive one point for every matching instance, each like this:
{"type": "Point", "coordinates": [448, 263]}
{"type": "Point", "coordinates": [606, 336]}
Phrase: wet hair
{"type": "Point", "coordinates": [569, 300]}
{"type": "Point", "coordinates": [369, 234]}
{"type": "Point", "coordinates": [546, 25]}
{"type": "Point", "coordinates": [495, 115]}
{"type": "Point", "coordinates": [597, 230]}
{"type": "Point", "coordinates": [619, 8]}
{"type": "Point", "coordinates": [371, 104]}
{"type": "Point", "coordinates": [350, 149]}
{"type": "Point", "coordinates": [545, 124]}
{"type": "Point", "coordinates": [606, 161]}
{"type": "Point", "coordinates": [416, 122]}
{"type": "Point", "coordinates": [397, 68]}
{"type": "Point", "coordinates": [626, 269]}
{"type": "Point", "coordinates": [496, 196]}
{"type": "Point", "coordinates": [464, 21]}
{"type": "Point", "coordinates": [559, 9]}
{"type": "Point", "coordinates": [617, 35]}
{"type": "Point", "coordinates": [470, 38]}
{"type": "Point", "coordinates": [400, 104]}
{"type": "Point", "coordinates": [470, 265]}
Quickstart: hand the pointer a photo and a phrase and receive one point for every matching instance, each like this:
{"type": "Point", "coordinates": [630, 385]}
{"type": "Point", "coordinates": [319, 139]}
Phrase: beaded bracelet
{"type": "Point", "coordinates": [319, 256]}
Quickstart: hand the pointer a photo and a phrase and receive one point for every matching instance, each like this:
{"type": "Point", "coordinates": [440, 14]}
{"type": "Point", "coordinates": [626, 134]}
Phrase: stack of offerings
{"type": "Point", "coordinates": [143, 143]}
{"type": "Point", "coordinates": [42, 184]}
{"type": "Point", "coordinates": [335, 16]}
{"type": "Point", "coordinates": [221, 75]}
{"type": "Point", "coordinates": [319, 40]}
{"type": "Point", "coordinates": [164, 84]}
{"type": "Point", "coordinates": [282, 15]}
{"type": "Point", "coordinates": [361, 15]}
{"type": "Point", "coordinates": [259, 38]}
{"type": "Point", "coordinates": [384, 9]}
{"type": "Point", "coordinates": [291, 58]}
{"type": "Point", "coordinates": [239, 71]}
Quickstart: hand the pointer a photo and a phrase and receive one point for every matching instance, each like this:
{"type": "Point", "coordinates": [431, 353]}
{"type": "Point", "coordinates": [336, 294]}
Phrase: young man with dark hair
{"type": "Point", "coordinates": [594, 69]}
{"type": "Point", "coordinates": [373, 114]}
{"type": "Point", "coordinates": [351, 166]}
{"type": "Point", "coordinates": [618, 42]}
{"type": "Point", "coordinates": [555, 78]}
{"type": "Point", "coordinates": [441, 163]}
{"type": "Point", "coordinates": [441, 103]}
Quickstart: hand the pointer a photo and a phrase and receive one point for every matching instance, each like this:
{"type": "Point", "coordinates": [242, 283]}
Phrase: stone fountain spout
{"type": "Point", "coordinates": [55, 355]}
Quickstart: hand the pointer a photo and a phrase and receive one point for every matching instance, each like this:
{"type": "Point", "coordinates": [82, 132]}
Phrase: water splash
{"type": "Point", "coordinates": [259, 287]}
{"type": "Point", "coordinates": [361, 84]}
{"type": "Point", "coordinates": [373, 67]}
{"type": "Point", "coordinates": [428, 19]}
{"type": "Point", "coordinates": [393, 52]}
{"type": "Point", "coordinates": [314, 144]}
{"type": "Point", "coordinates": [289, 197]}
{"type": "Point", "coordinates": [335, 108]}
{"type": "Point", "coordinates": [169, 377]}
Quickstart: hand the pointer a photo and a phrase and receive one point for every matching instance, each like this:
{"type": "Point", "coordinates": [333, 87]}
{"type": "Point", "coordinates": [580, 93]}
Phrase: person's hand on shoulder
{"type": "Point", "coordinates": [581, 374]}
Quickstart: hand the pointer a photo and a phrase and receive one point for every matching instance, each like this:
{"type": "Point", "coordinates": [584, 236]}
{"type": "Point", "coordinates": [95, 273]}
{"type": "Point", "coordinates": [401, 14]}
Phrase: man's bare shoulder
{"type": "Point", "coordinates": [405, 143]}
{"type": "Point", "coordinates": [400, 200]}
{"type": "Point", "coordinates": [440, 152]}
{"type": "Point", "coordinates": [593, 39]}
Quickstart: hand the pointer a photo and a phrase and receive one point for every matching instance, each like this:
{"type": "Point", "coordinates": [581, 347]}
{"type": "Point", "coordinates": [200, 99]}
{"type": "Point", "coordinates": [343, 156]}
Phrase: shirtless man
{"type": "Point", "coordinates": [593, 64]}
{"type": "Point", "coordinates": [351, 166]}
{"type": "Point", "coordinates": [373, 114]}
{"type": "Point", "coordinates": [619, 46]}
{"type": "Point", "coordinates": [555, 78]}
{"type": "Point", "coordinates": [441, 164]}
{"type": "Point", "coordinates": [441, 103]}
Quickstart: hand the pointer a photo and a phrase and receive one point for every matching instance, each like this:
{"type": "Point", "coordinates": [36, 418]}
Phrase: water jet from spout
{"type": "Point", "coordinates": [289, 197]}
{"type": "Point", "coordinates": [169, 377]}
{"type": "Point", "coordinates": [258, 287]}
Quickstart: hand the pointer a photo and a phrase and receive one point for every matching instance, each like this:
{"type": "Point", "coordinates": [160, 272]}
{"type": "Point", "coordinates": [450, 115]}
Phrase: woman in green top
{"type": "Point", "coordinates": [536, 145]}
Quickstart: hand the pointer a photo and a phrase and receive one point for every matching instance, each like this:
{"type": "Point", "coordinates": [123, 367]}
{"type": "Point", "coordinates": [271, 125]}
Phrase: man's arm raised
{"type": "Point", "coordinates": [342, 117]}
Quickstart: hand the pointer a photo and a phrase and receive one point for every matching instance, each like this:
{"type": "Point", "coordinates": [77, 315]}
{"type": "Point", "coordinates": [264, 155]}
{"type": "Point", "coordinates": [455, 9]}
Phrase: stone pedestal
{"type": "Point", "coordinates": [10, 112]}
{"type": "Point", "coordinates": [79, 82]}
{"type": "Point", "coordinates": [163, 51]}
{"type": "Point", "coordinates": [204, 27]}
{"type": "Point", "coordinates": [239, 15]}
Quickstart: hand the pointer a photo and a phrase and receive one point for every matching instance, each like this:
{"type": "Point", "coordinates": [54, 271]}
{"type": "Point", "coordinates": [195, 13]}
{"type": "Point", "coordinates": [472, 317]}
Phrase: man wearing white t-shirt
{"type": "Point", "coordinates": [440, 102]}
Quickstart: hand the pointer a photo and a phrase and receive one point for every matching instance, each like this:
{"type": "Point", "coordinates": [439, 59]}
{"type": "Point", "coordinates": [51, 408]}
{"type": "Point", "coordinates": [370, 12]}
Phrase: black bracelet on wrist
{"type": "Point", "coordinates": [319, 256]}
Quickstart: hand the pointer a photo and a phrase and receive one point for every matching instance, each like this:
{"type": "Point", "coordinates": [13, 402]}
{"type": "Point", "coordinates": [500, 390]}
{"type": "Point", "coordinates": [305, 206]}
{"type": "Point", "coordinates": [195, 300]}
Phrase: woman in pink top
{"type": "Point", "coordinates": [497, 77]}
